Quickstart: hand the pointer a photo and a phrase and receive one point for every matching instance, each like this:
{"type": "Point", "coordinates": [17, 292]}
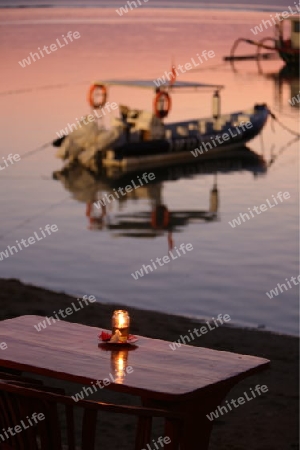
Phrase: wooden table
{"type": "Point", "coordinates": [192, 380]}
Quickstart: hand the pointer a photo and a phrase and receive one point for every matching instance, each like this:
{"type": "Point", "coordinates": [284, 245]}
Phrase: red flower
{"type": "Point", "coordinates": [104, 336]}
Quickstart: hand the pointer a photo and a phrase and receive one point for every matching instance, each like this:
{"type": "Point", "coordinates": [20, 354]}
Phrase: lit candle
{"type": "Point", "coordinates": [120, 324]}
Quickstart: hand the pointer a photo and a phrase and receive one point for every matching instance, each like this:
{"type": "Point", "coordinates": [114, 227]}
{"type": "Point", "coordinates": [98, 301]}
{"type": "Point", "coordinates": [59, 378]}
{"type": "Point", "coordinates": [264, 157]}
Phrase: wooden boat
{"type": "Point", "coordinates": [141, 139]}
{"type": "Point", "coordinates": [289, 48]}
{"type": "Point", "coordinates": [286, 43]}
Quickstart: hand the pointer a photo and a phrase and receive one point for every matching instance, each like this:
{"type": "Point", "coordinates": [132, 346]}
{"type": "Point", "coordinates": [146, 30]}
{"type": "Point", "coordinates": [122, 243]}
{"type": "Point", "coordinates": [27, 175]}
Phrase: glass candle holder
{"type": "Point", "coordinates": [120, 324]}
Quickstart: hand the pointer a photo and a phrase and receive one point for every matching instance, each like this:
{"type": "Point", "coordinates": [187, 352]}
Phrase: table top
{"type": "Point", "coordinates": [70, 351]}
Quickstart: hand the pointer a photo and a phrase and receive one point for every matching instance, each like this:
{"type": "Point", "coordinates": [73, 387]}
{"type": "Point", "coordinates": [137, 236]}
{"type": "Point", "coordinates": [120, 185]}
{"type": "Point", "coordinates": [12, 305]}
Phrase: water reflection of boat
{"type": "Point", "coordinates": [156, 220]}
{"type": "Point", "coordinates": [230, 161]}
{"type": "Point", "coordinates": [284, 77]}
{"type": "Point", "coordinates": [281, 79]}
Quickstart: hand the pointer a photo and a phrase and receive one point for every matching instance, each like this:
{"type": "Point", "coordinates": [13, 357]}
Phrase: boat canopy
{"type": "Point", "coordinates": [149, 84]}
{"type": "Point", "coordinates": [290, 18]}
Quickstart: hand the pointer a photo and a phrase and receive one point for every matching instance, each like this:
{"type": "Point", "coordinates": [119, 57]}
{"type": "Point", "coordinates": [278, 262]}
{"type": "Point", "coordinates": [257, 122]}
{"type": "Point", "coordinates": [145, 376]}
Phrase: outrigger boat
{"type": "Point", "coordinates": [286, 43]}
{"type": "Point", "coordinates": [140, 139]}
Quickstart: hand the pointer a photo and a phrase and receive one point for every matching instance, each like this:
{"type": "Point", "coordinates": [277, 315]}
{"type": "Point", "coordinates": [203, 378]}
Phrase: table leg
{"type": "Point", "coordinates": [195, 430]}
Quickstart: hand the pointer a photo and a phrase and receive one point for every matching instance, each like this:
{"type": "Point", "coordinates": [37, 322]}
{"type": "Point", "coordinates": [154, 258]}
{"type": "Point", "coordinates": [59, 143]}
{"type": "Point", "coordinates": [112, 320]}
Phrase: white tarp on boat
{"type": "Point", "coordinates": [82, 144]}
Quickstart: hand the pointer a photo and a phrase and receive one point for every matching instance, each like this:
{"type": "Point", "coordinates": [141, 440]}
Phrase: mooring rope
{"type": "Point", "coordinates": [29, 219]}
{"type": "Point", "coordinates": [289, 116]}
{"type": "Point", "coordinates": [281, 150]}
{"type": "Point", "coordinates": [36, 150]}
{"type": "Point", "coordinates": [21, 177]}
{"type": "Point", "coordinates": [42, 88]}
{"type": "Point", "coordinates": [295, 133]}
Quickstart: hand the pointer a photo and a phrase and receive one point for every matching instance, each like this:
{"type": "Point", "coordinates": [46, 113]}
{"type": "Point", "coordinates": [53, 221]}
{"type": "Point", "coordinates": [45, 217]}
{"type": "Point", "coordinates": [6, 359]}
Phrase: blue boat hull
{"type": "Point", "coordinates": [208, 142]}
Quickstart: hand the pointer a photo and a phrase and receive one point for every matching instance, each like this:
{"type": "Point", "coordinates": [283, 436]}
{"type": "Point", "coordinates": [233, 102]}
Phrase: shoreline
{"type": "Point", "coordinates": [65, 298]}
{"type": "Point", "coordinates": [257, 425]}
{"type": "Point", "coordinates": [188, 318]}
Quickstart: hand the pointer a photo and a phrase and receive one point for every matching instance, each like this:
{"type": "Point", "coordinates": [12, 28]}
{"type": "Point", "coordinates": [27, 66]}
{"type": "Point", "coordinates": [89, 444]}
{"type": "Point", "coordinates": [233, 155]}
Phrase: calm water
{"type": "Point", "coordinates": [229, 270]}
{"type": "Point", "coordinates": [266, 5]}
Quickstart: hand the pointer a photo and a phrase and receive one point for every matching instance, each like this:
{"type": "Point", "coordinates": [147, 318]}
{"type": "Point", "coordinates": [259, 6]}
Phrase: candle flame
{"type": "Point", "coordinates": [121, 320]}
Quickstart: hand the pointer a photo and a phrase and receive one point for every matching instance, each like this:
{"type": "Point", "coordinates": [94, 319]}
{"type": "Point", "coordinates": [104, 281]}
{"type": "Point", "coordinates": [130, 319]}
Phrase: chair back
{"type": "Point", "coordinates": [32, 417]}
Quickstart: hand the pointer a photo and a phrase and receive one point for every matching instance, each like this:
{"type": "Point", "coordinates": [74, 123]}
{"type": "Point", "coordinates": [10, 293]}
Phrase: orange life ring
{"type": "Point", "coordinates": [165, 217]}
{"type": "Point", "coordinates": [91, 95]}
{"type": "Point", "coordinates": [89, 210]}
{"type": "Point", "coordinates": [162, 98]}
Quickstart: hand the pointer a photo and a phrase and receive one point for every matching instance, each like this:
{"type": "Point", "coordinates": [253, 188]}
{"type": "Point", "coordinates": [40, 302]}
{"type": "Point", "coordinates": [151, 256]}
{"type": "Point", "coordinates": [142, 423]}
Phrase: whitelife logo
{"type": "Point", "coordinates": [101, 384]}
{"type": "Point", "coordinates": [130, 187]}
{"type": "Point", "coordinates": [295, 100]}
{"type": "Point", "coordinates": [259, 209]}
{"type": "Point", "coordinates": [124, 9]}
{"type": "Point", "coordinates": [274, 292]}
{"type": "Point", "coordinates": [63, 313]}
{"type": "Point", "coordinates": [279, 16]}
{"type": "Point", "coordinates": [53, 47]}
{"type": "Point", "coordinates": [221, 139]}
{"type": "Point", "coordinates": [85, 120]}
{"type": "Point", "coordinates": [170, 76]}
{"type": "Point", "coordinates": [236, 403]}
{"type": "Point", "coordinates": [12, 431]}
{"type": "Point", "coordinates": [199, 332]}
{"type": "Point", "coordinates": [10, 250]}
{"type": "Point", "coordinates": [10, 160]}
{"type": "Point", "coordinates": [160, 443]}
{"type": "Point", "coordinates": [166, 259]}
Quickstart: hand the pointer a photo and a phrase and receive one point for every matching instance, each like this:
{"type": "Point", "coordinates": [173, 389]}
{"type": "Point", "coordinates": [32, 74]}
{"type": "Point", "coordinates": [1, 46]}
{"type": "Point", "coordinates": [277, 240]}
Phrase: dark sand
{"type": "Point", "coordinates": [269, 422]}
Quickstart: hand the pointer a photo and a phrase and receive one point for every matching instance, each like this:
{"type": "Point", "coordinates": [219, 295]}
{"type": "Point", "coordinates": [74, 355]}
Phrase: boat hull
{"type": "Point", "coordinates": [180, 149]}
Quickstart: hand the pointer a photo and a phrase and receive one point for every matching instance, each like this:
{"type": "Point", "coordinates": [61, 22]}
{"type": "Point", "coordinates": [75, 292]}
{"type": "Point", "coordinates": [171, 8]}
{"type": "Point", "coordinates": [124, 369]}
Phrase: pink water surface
{"type": "Point", "coordinates": [230, 270]}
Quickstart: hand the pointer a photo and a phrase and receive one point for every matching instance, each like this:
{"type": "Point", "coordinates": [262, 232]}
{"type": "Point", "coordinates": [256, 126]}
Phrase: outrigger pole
{"type": "Point", "coordinates": [287, 49]}
{"type": "Point", "coordinates": [258, 44]}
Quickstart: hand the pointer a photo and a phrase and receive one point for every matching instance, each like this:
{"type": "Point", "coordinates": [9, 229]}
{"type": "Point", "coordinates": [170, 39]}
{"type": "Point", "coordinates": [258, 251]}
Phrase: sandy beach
{"type": "Point", "coordinates": [268, 423]}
